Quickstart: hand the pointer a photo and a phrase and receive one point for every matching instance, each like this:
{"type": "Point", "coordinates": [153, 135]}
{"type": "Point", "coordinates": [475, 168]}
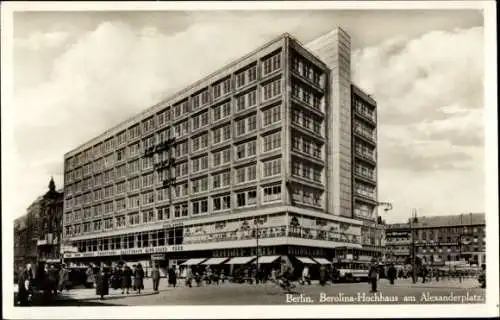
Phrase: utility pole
{"type": "Point", "coordinates": [257, 222]}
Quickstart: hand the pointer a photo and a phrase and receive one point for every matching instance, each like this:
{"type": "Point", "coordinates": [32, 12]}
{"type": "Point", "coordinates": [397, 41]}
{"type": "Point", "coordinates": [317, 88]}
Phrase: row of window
{"type": "Point", "coordinates": [306, 119]}
{"type": "Point", "coordinates": [364, 189]}
{"type": "Point", "coordinates": [222, 134]}
{"type": "Point", "coordinates": [270, 168]}
{"type": "Point", "coordinates": [364, 130]}
{"type": "Point", "coordinates": [306, 95]}
{"type": "Point", "coordinates": [220, 89]}
{"type": "Point", "coordinates": [306, 69]}
{"type": "Point", "coordinates": [308, 146]}
{"type": "Point", "coordinates": [363, 108]}
{"type": "Point", "coordinates": [306, 170]}
{"type": "Point", "coordinates": [270, 142]}
{"type": "Point", "coordinates": [307, 196]}
{"type": "Point", "coordinates": [201, 206]}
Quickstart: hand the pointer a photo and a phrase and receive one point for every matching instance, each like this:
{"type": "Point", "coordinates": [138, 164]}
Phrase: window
{"type": "Point", "coordinates": [272, 193]}
{"type": "Point", "coordinates": [163, 213]}
{"type": "Point", "coordinates": [181, 210]}
{"type": "Point", "coordinates": [121, 204]}
{"type": "Point", "coordinates": [272, 141]}
{"type": "Point", "coordinates": [272, 168]}
{"type": "Point", "coordinates": [200, 185]}
{"type": "Point", "coordinates": [147, 180]}
{"type": "Point", "coordinates": [162, 194]}
{"type": "Point", "coordinates": [181, 149]}
{"type": "Point", "coordinates": [181, 169]}
{"type": "Point", "coordinates": [200, 142]}
{"type": "Point", "coordinates": [271, 64]}
{"type": "Point", "coordinates": [240, 79]}
{"type": "Point", "coordinates": [97, 225]}
{"type": "Point", "coordinates": [246, 174]}
{"type": "Point", "coordinates": [272, 115]}
{"type": "Point", "coordinates": [148, 198]}
{"type": "Point", "coordinates": [133, 201]}
{"type": "Point", "coordinates": [120, 221]}
{"type": "Point", "coordinates": [221, 111]}
{"type": "Point", "coordinates": [148, 216]}
{"type": "Point", "coordinates": [200, 206]}
{"type": "Point", "coordinates": [246, 198]}
{"type": "Point", "coordinates": [181, 190]}
{"type": "Point", "coordinates": [221, 180]}
{"type": "Point", "coordinates": [221, 157]}
{"type": "Point", "coordinates": [222, 203]}
{"type": "Point", "coordinates": [252, 74]}
{"type": "Point", "coordinates": [147, 163]}
{"type": "Point", "coordinates": [108, 223]}
{"type": "Point", "coordinates": [133, 149]}
{"type": "Point", "coordinates": [272, 89]}
{"type": "Point", "coordinates": [108, 207]}
{"type": "Point", "coordinates": [226, 86]}
{"type": "Point", "coordinates": [133, 219]}
{"type": "Point", "coordinates": [148, 125]}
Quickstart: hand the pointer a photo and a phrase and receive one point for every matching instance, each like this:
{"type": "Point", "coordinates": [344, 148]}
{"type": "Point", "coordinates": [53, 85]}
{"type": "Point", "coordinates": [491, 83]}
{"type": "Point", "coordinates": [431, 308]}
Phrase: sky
{"type": "Point", "coordinates": [77, 74]}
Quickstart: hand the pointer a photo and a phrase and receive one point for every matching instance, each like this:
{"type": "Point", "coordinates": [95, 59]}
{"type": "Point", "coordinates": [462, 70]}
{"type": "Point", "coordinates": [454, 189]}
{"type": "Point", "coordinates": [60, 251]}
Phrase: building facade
{"type": "Point", "coordinates": [26, 233]}
{"type": "Point", "coordinates": [37, 234]}
{"type": "Point", "coordinates": [50, 235]}
{"type": "Point", "coordinates": [255, 159]}
{"type": "Point", "coordinates": [440, 239]}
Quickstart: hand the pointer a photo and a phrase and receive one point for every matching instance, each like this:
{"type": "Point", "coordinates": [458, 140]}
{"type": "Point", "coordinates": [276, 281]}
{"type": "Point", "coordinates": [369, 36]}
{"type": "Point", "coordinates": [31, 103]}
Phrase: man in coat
{"type": "Point", "coordinates": [373, 276]}
{"type": "Point", "coordinates": [126, 279]}
{"type": "Point", "coordinates": [391, 273]}
{"type": "Point", "coordinates": [172, 277]}
{"type": "Point", "coordinates": [139, 278]}
{"type": "Point", "coordinates": [23, 284]}
{"type": "Point", "coordinates": [102, 282]}
{"type": "Point", "coordinates": [322, 275]}
{"type": "Point", "coordinates": [63, 278]}
{"type": "Point", "coordinates": [155, 276]}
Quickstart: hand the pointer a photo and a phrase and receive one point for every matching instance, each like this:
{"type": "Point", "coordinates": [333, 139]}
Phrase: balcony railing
{"type": "Point", "coordinates": [367, 155]}
{"type": "Point", "coordinates": [364, 113]}
{"type": "Point", "coordinates": [360, 131]}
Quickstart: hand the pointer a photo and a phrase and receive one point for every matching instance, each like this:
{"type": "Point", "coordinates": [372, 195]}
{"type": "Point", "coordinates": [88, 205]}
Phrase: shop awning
{"type": "Point", "coordinates": [192, 262]}
{"type": "Point", "coordinates": [240, 260]}
{"type": "Point", "coordinates": [267, 259]}
{"type": "Point", "coordinates": [322, 261]}
{"type": "Point", "coordinates": [305, 260]}
{"type": "Point", "coordinates": [213, 261]}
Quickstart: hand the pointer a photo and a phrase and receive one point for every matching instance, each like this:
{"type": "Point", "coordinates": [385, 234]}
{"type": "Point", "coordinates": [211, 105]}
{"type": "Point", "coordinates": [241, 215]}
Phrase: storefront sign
{"type": "Point", "coordinates": [157, 256]}
{"type": "Point", "coordinates": [124, 252]}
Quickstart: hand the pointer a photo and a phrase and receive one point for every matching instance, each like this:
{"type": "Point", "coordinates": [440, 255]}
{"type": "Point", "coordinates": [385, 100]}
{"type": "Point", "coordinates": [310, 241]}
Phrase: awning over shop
{"type": "Point", "coordinates": [322, 261]}
{"type": "Point", "coordinates": [266, 259]}
{"type": "Point", "coordinates": [240, 260]}
{"type": "Point", "coordinates": [305, 260]}
{"type": "Point", "coordinates": [213, 261]}
{"type": "Point", "coordinates": [193, 261]}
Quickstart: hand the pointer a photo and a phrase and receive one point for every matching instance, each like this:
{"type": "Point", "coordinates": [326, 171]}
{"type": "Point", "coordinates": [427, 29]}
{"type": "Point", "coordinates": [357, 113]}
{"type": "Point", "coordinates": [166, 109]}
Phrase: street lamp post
{"type": "Point", "coordinates": [387, 207]}
{"type": "Point", "coordinates": [413, 220]}
{"type": "Point", "coordinates": [257, 221]}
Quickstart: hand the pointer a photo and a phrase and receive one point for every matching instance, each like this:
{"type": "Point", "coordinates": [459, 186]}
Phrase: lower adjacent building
{"type": "Point", "coordinates": [439, 240]}
{"type": "Point", "coordinates": [37, 235]}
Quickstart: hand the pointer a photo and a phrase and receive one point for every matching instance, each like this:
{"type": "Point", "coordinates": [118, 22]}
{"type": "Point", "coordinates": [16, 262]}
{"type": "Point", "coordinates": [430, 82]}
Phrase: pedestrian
{"type": "Point", "coordinates": [53, 280]}
{"type": "Point", "coordinates": [189, 277]}
{"type": "Point", "coordinates": [306, 278]}
{"type": "Point", "coordinates": [155, 276]}
{"type": "Point", "coordinates": [222, 276]}
{"type": "Point", "coordinates": [102, 282]}
{"type": "Point", "coordinates": [134, 270]}
{"type": "Point", "coordinates": [273, 275]}
{"type": "Point", "coordinates": [90, 280]}
{"type": "Point", "coordinates": [373, 276]}
{"type": "Point", "coordinates": [424, 273]}
{"type": "Point", "coordinates": [139, 278]}
{"type": "Point", "coordinates": [126, 279]}
{"type": "Point", "coordinates": [209, 275]}
{"type": "Point", "coordinates": [438, 272]}
{"type": "Point", "coordinates": [322, 275]}
{"type": "Point", "coordinates": [63, 278]}
{"type": "Point", "coordinates": [23, 285]}
{"type": "Point", "coordinates": [391, 274]}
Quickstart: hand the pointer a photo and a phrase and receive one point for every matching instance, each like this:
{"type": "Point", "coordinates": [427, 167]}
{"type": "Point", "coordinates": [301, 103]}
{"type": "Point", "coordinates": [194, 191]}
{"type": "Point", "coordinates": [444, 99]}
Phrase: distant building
{"type": "Point", "coordinates": [439, 239]}
{"type": "Point", "coordinates": [49, 237]}
{"type": "Point", "coordinates": [37, 234]}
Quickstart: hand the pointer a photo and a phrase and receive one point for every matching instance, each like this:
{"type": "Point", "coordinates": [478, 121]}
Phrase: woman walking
{"type": "Point", "coordinates": [139, 278]}
{"type": "Point", "coordinates": [172, 277]}
{"type": "Point", "coordinates": [126, 279]}
{"type": "Point", "coordinates": [102, 282]}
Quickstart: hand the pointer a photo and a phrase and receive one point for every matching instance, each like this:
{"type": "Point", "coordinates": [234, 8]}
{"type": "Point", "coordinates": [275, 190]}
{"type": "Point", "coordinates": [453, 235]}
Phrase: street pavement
{"type": "Point", "coordinates": [403, 291]}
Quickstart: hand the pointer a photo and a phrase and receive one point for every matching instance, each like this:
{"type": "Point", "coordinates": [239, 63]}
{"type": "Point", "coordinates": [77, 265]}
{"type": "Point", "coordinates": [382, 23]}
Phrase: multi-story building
{"type": "Point", "coordinates": [37, 234]}
{"type": "Point", "coordinates": [269, 152]}
{"type": "Point", "coordinates": [440, 239]}
{"type": "Point", "coordinates": [26, 233]}
{"type": "Point", "coordinates": [49, 240]}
